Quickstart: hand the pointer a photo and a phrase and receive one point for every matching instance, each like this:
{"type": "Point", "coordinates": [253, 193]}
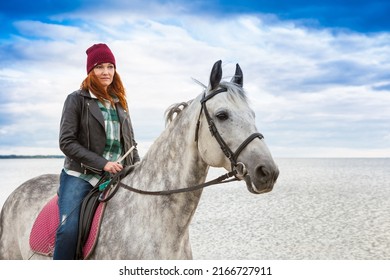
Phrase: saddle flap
{"type": "Point", "coordinates": [43, 232]}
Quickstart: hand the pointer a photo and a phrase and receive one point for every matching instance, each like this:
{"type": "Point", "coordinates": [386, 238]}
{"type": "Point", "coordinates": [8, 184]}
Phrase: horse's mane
{"type": "Point", "coordinates": [174, 110]}
{"type": "Point", "coordinates": [234, 92]}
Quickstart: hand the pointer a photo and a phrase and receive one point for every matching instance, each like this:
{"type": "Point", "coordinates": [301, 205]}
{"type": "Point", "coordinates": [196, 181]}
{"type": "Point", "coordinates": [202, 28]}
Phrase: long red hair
{"type": "Point", "coordinates": [115, 89]}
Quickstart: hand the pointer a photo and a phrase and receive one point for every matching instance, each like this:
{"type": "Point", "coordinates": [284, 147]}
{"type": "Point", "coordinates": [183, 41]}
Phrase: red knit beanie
{"type": "Point", "coordinates": [99, 53]}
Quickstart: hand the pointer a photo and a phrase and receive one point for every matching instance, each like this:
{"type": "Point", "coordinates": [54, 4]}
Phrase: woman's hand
{"type": "Point", "coordinates": [113, 167]}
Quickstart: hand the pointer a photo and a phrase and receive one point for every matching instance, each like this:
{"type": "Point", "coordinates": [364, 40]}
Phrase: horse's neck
{"type": "Point", "coordinates": [173, 160]}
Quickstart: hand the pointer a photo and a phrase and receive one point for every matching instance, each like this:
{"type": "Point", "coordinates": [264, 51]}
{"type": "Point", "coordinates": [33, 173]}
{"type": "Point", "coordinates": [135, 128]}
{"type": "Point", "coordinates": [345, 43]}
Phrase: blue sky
{"type": "Point", "coordinates": [317, 72]}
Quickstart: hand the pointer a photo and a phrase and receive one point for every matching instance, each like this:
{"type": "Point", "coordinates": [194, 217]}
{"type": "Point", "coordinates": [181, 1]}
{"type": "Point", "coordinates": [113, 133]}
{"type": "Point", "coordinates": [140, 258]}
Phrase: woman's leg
{"type": "Point", "coordinates": [71, 193]}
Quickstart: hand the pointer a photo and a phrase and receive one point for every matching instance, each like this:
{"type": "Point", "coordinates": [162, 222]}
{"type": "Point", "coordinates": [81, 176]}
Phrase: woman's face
{"type": "Point", "coordinates": [105, 73]}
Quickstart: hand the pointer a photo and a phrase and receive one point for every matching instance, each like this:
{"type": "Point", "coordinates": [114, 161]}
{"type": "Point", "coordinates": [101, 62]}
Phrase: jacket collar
{"type": "Point", "coordinates": [95, 110]}
{"type": "Point", "coordinates": [93, 96]}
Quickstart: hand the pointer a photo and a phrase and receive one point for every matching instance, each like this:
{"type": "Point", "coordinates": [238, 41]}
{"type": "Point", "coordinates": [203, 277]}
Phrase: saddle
{"type": "Point", "coordinates": [43, 232]}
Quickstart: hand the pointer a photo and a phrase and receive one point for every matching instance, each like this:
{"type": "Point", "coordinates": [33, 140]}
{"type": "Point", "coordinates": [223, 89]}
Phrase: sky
{"type": "Point", "coordinates": [317, 73]}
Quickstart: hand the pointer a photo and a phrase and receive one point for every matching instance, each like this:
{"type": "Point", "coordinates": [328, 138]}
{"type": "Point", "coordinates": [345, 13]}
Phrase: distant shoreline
{"type": "Point", "coordinates": [29, 157]}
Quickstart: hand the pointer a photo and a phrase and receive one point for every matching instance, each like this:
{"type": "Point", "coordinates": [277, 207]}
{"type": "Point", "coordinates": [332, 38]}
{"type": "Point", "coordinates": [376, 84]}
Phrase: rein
{"type": "Point", "coordinates": [220, 180]}
{"type": "Point", "coordinates": [115, 183]}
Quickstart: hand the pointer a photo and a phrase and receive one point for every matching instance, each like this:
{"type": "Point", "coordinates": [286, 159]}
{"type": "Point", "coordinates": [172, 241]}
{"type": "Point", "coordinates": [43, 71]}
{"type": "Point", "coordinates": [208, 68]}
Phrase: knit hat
{"type": "Point", "coordinates": [99, 53]}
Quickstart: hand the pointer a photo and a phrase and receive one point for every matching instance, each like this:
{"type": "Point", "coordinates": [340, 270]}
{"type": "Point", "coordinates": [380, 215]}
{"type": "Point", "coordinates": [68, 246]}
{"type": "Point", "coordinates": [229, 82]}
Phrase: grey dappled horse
{"type": "Point", "coordinates": [203, 133]}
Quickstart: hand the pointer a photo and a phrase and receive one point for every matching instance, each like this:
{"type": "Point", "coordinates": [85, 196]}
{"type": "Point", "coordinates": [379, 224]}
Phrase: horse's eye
{"type": "Point", "coordinates": [222, 116]}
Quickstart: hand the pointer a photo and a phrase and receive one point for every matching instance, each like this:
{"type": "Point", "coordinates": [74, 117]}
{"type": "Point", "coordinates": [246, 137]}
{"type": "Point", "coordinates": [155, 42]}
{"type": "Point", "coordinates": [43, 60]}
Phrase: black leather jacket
{"type": "Point", "coordinates": [83, 136]}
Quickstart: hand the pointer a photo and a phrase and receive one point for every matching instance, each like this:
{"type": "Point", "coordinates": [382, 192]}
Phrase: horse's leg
{"type": "Point", "coordinates": [19, 213]}
{"type": "Point", "coordinates": [9, 245]}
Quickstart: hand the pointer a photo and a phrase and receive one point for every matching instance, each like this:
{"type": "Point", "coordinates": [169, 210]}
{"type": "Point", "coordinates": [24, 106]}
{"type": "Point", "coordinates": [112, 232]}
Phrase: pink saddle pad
{"type": "Point", "coordinates": [43, 232]}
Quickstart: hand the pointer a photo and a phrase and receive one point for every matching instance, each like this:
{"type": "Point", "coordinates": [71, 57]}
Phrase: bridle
{"type": "Point", "coordinates": [115, 182]}
{"type": "Point", "coordinates": [232, 156]}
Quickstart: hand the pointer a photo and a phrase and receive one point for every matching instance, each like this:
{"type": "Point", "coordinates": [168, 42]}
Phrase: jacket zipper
{"type": "Point", "coordinates": [88, 143]}
{"type": "Point", "coordinates": [90, 168]}
{"type": "Point", "coordinates": [124, 143]}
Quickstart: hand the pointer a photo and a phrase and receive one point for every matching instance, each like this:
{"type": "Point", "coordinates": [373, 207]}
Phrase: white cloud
{"type": "Point", "coordinates": [296, 78]}
{"type": "Point", "coordinates": [58, 32]}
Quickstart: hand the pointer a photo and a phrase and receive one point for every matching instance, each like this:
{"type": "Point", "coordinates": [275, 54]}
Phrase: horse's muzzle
{"type": "Point", "coordinates": [261, 179]}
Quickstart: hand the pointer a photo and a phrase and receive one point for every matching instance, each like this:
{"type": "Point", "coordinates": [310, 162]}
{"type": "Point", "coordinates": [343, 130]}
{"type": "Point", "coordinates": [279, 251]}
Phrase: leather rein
{"type": "Point", "coordinates": [115, 182]}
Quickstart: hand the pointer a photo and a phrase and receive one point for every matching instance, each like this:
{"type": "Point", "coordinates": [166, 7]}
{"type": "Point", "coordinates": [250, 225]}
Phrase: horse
{"type": "Point", "coordinates": [199, 134]}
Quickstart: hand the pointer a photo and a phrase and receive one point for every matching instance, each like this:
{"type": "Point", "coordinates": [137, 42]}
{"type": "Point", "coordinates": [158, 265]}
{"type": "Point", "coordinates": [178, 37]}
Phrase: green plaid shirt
{"type": "Point", "coordinates": [113, 148]}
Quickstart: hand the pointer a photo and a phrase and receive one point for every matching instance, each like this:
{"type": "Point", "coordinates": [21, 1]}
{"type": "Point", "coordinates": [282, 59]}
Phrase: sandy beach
{"type": "Point", "coordinates": [327, 209]}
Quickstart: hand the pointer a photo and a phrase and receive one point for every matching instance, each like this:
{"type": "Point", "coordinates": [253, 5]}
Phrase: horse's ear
{"type": "Point", "coordinates": [216, 75]}
{"type": "Point", "coordinates": [238, 77]}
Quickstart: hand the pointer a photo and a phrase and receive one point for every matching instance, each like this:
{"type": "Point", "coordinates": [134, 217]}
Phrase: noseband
{"type": "Point", "coordinates": [232, 156]}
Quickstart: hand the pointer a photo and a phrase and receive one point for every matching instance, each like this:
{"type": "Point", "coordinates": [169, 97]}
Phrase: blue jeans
{"type": "Point", "coordinates": [71, 193]}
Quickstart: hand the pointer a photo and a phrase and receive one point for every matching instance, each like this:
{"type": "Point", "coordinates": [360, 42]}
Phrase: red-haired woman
{"type": "Point", "coordinates": [95, 131]}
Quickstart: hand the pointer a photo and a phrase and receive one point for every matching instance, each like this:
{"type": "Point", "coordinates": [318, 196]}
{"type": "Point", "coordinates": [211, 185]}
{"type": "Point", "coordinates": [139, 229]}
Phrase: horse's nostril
{"type": "Point", "coordinates": [266, 174]}
{"type": "Point", "coordinates": [262, 172]}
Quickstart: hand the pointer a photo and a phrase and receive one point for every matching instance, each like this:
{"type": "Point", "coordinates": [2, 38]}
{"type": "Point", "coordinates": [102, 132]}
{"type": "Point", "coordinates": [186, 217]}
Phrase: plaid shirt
{"type": "Point", "coordinates": [113, 148]}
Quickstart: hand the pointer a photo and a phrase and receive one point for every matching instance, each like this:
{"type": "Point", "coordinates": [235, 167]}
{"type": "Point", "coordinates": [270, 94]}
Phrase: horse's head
{"type": "Point", "coordinates": [227, 135]}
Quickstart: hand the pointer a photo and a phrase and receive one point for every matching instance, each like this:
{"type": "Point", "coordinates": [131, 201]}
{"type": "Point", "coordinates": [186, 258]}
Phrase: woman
{"type": "Point", "coordinates": [95, 131]}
